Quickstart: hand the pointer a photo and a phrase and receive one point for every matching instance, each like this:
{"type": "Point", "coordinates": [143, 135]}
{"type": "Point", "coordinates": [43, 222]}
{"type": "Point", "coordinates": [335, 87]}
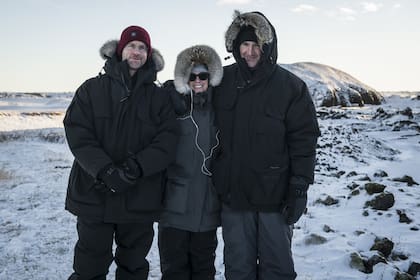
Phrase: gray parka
{"type": "Point", "coordinates": [190, 201]}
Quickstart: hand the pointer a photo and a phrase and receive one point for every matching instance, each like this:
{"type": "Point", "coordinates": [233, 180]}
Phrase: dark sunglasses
{"type": "Point", "coordinates": [202, 76]}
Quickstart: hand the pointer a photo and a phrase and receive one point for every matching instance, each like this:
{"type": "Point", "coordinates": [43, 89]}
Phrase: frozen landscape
{"type": "Point", "coordinates": [363, 217]}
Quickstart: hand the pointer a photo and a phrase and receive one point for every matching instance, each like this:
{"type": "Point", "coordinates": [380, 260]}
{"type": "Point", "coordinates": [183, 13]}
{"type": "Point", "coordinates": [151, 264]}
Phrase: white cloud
{"type": "Point", "coordinates": [304, 8]}
{"type": "Point", "coordinates": [370, 7]}
{"type": "Point", "coordinates": [396, 6]}
{"type": "Point", "coordinates": [343, 13]}
{"type": "Point", "coordinates": [347, 13]}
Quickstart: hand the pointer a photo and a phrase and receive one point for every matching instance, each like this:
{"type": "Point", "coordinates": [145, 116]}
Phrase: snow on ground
{"type": "Point", "coordinates": [37, 235]}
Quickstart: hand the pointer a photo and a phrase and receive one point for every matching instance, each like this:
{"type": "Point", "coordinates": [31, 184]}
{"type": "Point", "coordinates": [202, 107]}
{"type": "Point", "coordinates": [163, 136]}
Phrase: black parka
{"type": "Point", "coordinates": [111, 118]}
{"type": "Point", "coordinates": [268, 130]}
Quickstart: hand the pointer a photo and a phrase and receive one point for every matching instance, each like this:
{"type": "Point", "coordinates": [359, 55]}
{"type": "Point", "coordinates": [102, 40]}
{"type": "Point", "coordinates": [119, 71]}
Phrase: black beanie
{"type": "Point", "coordinates": [247, 33]}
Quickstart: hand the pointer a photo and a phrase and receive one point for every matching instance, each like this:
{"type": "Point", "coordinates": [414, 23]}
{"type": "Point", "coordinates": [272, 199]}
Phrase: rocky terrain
{"type": "Point", "coordinates": [363, 213]}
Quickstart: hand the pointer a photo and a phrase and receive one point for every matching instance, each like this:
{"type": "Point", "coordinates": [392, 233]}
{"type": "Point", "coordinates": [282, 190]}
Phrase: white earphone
{"type": "Point", "coordinates": [204, 168]}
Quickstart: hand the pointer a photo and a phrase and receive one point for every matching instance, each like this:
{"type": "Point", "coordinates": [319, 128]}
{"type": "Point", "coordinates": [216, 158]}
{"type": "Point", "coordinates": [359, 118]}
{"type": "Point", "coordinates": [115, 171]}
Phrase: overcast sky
{"type": "Point", "coordinates": [52, 45]}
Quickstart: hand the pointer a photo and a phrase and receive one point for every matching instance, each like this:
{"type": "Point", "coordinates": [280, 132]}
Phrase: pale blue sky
{"type": "Point", "coordinates": [52, 45]}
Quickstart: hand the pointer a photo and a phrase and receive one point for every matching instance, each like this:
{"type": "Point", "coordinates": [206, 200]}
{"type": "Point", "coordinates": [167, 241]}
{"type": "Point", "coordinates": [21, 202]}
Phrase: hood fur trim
{"type": "Point", "coordinates": [198, 54]}
{"type": "Point", "coordinates": [262, 27]}
{"type": "Point", "coordinates": [109, 49]}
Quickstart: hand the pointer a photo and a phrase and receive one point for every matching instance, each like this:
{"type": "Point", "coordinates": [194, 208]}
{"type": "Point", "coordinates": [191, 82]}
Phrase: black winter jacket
{"type": "Point", "coordinates": [268, 130]}
{"type": "Point", "coordinates": [107, 122]}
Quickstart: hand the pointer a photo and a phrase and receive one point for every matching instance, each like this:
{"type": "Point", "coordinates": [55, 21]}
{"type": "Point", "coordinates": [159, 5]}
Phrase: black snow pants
{"type": "Point", "coordinates": [186, 255]}
{"type": "Point", "coordinates": [93, 251]}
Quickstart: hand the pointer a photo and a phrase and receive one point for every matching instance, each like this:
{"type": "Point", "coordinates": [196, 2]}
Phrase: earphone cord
{"type": "Point", "coordinates": [204, 168]}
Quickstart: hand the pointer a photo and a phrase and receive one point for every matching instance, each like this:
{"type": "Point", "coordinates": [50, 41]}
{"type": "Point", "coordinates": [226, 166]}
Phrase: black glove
{"type": "Point", "coordinates": [117, 179]}
{"type": "Point", "coordinates": [132, 168]}
{"type": "Point", "coordinates": [101, 187]}
{"type": "Point", "coordinates": [295, 204]}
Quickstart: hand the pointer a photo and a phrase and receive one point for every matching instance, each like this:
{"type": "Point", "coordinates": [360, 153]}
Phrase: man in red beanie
{"type": "Point", "coordinates": [120, 128]}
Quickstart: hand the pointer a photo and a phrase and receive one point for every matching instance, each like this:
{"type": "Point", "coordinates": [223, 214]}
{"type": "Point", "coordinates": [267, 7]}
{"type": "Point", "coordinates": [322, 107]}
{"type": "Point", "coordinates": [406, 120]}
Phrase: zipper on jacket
{"type": "Point", "coordinates": [127, 90]}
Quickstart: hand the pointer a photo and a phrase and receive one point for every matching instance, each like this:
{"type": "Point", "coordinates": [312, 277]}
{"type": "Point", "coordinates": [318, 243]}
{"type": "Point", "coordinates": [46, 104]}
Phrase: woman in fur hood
{"type": "Point", "coordinates": [187, 227]}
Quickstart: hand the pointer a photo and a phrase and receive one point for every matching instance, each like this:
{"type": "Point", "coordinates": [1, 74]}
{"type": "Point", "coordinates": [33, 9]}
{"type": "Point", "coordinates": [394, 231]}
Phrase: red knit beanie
{"type": "Point", "coordinates": [134, 33]}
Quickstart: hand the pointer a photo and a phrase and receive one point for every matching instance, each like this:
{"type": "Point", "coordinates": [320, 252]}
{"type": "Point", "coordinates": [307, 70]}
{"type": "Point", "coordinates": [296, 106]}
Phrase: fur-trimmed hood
{"type": "Point", "coordinates": [198, 54]}
{"type": "Point", "coordinates": [109, 49]}
{"type": "Point", "coordinates": [262, 26]}
{"type": "Point", "coordinates": [264, 30]}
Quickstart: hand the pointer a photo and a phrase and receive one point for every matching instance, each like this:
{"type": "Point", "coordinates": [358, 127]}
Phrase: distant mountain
{"type": "Point", "coordinates": [330, 87]}
{"type": "Point", "coordinates": [327, 85]}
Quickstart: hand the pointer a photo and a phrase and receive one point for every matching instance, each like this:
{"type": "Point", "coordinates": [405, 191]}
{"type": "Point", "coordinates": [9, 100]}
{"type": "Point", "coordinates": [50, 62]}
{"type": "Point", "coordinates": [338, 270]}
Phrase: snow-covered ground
{"type": "Point", "coordinates": [359, 145]}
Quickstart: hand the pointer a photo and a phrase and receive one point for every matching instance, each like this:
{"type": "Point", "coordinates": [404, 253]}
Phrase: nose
{"type": "Point", "coordinates": [250, 50]}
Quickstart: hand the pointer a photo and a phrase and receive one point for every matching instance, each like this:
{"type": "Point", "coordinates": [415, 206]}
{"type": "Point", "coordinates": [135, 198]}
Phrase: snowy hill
{"type": "Point", "coordinates": [330, 87]}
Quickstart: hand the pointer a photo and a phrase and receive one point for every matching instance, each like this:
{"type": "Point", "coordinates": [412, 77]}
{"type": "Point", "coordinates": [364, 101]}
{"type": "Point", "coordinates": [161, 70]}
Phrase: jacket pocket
{"type": "Point", "coordinates": [82, 187]}
{"type": "Point", "coordinates": [176, 197]}
{"type": "Point", "coordinates": [270, 135]}
{"type": "Point", "coordinates": [271, 185]}
{"type": "Point", "coordinates": [271, 122]}
{"type": "Point", "coordinates": [184, 155]}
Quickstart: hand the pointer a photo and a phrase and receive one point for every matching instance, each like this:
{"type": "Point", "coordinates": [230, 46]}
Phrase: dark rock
{"type": "Point", "coordinates": [372, 188]}
{"type": "Point", "coordinates": [339, 174]}
{"type": "Point", "coordinates": [315, 239]}
{"type": "Point", "coordinates": [383, 201]}
{"type": "Point", "coordinates": [406, 179]}
{"type": "Point", "coordinates": [403, 276]}
{"type": "Point", "coordinates": [352, 186]}
{"type": "Point", "coordinates": [383, 245]}
{"type": "Point", "coordinates": [396, 256]}
{"type": "Point", "coordinates": [326, 228]}
{"type": "Point", "coordinates": [381, 114]}
{"type": "Point", "coordinates": [407, 112]}
{"type": "Point", "coordinates": [352, 174]}
{"type": "Point", "coordinates": [328, 201]}
{"type": "Point", "coordinates": [365, 178]}
{"type": "Point", "coordinates": [372, 261]}
{"type": "Point", "coordinates": [414, 269]}
{"type": "Point", "coordinates": [357, 262]}
{"type": "Point", "coordinates": [62, 167]}
{"type": "Point", "coordinates": [380, 173]}
{"type": "Point", "coordinates": [405, 124]}
{"type": "Point", "coordinates": [403, 217]}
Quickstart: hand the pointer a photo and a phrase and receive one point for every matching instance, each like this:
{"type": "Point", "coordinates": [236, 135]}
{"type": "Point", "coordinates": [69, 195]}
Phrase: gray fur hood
{"type": "Point", "coordinates": [108, 50]}
{"type": "Point", "coordinates": [263, 28]}
{"type": "Point", "coordinates": [198, 54]}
